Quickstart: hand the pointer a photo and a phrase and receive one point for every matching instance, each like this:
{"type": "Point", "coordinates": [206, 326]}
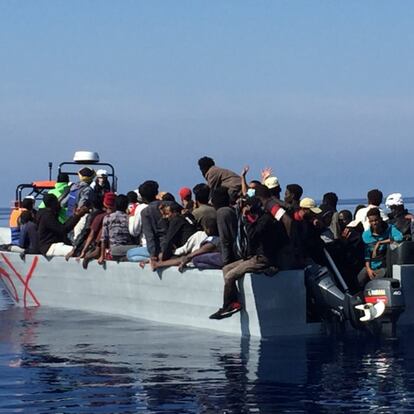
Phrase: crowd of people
{"type": "Point", "coordinates": [225, 222]}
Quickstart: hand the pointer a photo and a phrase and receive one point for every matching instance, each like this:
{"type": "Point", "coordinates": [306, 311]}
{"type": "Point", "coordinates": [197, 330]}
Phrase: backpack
{"type": "Point", "coordinates": [71, 200]}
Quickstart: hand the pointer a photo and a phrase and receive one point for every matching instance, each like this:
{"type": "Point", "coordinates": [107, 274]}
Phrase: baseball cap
{"type": "Point", "coordinates": [310, 204]}
{"type": "Point", "coordinates": [394, 199]}
{"type": "Point", "coordinates": [271, 182]}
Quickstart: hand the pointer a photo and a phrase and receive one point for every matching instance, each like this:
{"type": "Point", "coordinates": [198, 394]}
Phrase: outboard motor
{"type": "Point", "coordinates": [377, 310]}
{"type": "Point", "coordinates": [325, 300]}
{"type": "Point", "coordinates": [383, 295]}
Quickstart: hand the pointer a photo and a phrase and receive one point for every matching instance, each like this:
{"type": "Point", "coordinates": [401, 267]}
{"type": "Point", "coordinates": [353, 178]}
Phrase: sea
{"type": "Point", "coordinates": [61, 361]}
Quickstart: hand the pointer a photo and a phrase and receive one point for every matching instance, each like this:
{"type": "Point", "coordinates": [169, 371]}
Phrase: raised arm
{"type": "Point", "coordinates": [243, 180]}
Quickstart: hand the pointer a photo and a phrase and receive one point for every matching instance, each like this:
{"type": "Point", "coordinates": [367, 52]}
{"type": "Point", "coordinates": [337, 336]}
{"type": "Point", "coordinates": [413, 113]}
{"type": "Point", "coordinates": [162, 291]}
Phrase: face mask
{"type": "Point", "coordinates": [251, 192]}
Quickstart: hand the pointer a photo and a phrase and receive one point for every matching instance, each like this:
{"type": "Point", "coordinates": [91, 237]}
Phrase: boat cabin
{"type": "Point", "coordinates": [37, 189]}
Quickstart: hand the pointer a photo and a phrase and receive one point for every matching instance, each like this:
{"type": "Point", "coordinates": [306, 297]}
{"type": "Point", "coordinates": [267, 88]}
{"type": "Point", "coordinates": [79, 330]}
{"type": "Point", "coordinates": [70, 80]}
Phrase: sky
{"type": "Point", "coordinates": [321, 91]}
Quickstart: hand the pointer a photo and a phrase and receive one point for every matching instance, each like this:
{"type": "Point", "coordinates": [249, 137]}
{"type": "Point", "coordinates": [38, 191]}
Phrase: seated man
{"type": "Point", "coordinates": [29, 238]}
{"type": "Point", "coordinates": [92, 247]}
{"type": "Point", "coordinates": [152, 230]}
{"type": "Point", "coordinates": [14, 219]}
{"type": "Point", "coordinates": [329, 214]}
{"type": "Point", "coordinates": [374, 198]}
{"type": "Point", "coordinates": [202, 248]}
{"type": "Point", "coordinates": [180, 229]}
{"type": "Point", "coordinates": [61, 190]}
{"type": "Point", "coordinates": [186, 199]}
{"type": "Point", "coordinates": [399, 215]}
{"type": "Point", "coordinates": [53, 239]}
{"type": "Point", "coordinates": [203, 210]}
{"type": "Point", "coordinates": [260, 255]}
{"type": "Point", "coordinates": [376, 239]}
{"type": "Point", "coordinates": [115, 231]}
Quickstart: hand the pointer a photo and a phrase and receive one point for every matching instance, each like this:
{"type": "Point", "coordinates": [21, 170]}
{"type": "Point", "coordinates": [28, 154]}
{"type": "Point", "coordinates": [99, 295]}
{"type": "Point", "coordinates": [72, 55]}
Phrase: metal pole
{"type": "Point", "coordinates": [50, 170]}
{"type": "Point", "coordinates": [336, 271]}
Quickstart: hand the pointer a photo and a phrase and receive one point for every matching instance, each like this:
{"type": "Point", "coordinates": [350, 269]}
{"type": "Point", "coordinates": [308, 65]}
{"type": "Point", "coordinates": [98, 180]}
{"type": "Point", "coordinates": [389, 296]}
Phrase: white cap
{"type": "Point", "coordinates": [394, 199]}
{"type": "Point", "coordinates": [271, 182]}
{"type": "Point", "coordinates": [100, 173]}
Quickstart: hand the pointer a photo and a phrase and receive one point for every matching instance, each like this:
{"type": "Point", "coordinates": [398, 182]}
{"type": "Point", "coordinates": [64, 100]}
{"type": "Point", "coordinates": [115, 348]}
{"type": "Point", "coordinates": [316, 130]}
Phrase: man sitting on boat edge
{"type": "Point", "coordinates": [259, 254]}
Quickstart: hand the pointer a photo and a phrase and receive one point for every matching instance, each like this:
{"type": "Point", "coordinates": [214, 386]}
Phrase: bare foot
{"type": "Point", "coordinates": [142, 264]}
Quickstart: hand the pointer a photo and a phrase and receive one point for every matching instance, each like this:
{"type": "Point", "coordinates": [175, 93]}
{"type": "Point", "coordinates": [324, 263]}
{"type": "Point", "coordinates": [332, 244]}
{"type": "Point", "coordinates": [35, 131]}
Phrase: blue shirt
{"type": "Point", "coordinates": [370, 240]}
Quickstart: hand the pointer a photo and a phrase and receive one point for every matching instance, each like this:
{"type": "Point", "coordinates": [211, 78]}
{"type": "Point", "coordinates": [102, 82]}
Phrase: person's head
{"type": "Point", "coordinates": [330, 199]}
{"type": "Point", "coordinates": [26, 216]}
{"type": "Point", "coordinates": [132, 197]}
{"type": "Point", "coordinates": [254, 183]}
{"type": "Point", "coordinates": [167, 197]}
{"type": "Point", "coordinates": [205, 163]}
{"type": "Point", "coordinates": [375, 220]}
{"type": "Point", "coordinates": [308, 207]}
{"type": "Point", "coordinates": [210, 226]}
{"type": "Point", "coordinates": [148, 190]}
{"type": "Point", "coordinates": [51, 201]}
{"type": "Point", "coordinates": [293, 193]}
{"type": "Point", "coordinates": [185, 194]}
{"type": "Point", "coordinates": [28, 203]}
{"type": "Point", "coordinates": [220, 198]}
{"type": "Point", "coordinates": [62, 178]}
{"type": "Point", "coordinates": [395, 203]}
{"type": "Point", "coordinates": [101, 177]}
{"type": "Point", "coordinates": [86, 175]}
{"type": "Point", "coordinates": [201, 193]}
{"type": "Point", "coordinates": [374, 197]}
{"type": "Point", "coordinates": [170, 210]}
{"type": "Point", "coordinates": [344, 218]}
{"type": "Point", "coordinates": [109, 201]}
{"type": "Point", "coordinates": [262, 193]}
{"type": "Point", "coordinates": [272, 183]}
{"type": "Point", "coordinates": [121, 203]}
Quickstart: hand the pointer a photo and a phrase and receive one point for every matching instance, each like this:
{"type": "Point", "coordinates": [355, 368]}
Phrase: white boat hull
{"type": "Point", "coordinates": [273, 306]}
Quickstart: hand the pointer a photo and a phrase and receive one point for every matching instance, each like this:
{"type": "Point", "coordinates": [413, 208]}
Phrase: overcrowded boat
{"type": "Point", "coordinates": [309, 300]}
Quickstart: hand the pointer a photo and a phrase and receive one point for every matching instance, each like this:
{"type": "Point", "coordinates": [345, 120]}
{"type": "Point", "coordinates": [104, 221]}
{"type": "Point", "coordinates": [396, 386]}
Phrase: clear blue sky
{"type": "Point", "coordinates": [322, 91]}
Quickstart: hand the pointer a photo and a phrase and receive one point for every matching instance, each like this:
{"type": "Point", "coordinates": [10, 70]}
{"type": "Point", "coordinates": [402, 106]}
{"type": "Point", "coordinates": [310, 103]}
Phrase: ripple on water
{"type": "Point", "coordinates": [74, 362]}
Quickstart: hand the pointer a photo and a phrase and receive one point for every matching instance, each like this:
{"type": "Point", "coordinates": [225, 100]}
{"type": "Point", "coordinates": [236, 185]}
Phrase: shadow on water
{"type": "Point", "coordinates": [72, 362]}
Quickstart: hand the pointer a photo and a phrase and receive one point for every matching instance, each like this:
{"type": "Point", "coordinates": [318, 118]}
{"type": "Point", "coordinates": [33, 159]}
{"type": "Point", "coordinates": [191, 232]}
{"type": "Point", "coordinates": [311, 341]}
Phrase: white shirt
{"type": "Point", "coordinates": [361, 217]}
{"type": "Point", "coordinates": [135, 224]}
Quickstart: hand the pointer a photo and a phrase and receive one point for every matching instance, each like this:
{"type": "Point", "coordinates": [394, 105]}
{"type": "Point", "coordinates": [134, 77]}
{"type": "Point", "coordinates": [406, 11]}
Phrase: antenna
{"type": "Point", "coordinates": [50, 170]}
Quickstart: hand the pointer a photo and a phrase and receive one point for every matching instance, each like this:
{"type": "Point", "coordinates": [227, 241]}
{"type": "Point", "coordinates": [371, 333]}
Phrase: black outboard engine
{"type": "Point", "coordinates": [389, 292]}
{"type": "Point", "coordinates": [377, 310]}
{"type": "Point", "coordinates": [326, 302]}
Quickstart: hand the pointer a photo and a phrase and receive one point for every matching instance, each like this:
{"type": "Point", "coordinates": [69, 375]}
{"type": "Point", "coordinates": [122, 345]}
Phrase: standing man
{"type": "Point", "coordinates": [220, 177]}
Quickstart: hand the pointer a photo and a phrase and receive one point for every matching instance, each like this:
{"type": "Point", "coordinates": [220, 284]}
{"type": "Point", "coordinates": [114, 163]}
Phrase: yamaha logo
{"type": "Point", "coordinates": [376, 292]}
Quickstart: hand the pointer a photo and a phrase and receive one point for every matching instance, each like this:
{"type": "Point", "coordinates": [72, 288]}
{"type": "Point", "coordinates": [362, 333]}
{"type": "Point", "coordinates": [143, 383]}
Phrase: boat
{"type": "Point", "coordinates": [279, 305]}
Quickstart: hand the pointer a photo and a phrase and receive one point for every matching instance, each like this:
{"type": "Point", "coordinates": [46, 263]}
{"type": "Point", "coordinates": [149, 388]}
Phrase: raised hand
{"type": "Point", "coordinates": [266, 172]}
{"type": "Point", "coordinates": [245, 171]}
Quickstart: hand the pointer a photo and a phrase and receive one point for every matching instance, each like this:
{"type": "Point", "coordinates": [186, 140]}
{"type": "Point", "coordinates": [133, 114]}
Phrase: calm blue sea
{"type": "Point", "coordinates": [60, 361]}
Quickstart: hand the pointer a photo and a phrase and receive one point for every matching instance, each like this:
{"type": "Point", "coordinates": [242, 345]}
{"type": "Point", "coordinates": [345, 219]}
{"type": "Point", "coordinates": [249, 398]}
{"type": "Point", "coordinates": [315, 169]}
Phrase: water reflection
{"type": "Point", "coordinates": [72, 362]}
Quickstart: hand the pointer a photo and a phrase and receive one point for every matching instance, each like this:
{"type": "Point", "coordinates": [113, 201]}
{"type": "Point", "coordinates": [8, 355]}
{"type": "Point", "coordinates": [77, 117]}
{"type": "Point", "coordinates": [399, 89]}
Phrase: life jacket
{"type": "Point", "coordinates": [14, 224]}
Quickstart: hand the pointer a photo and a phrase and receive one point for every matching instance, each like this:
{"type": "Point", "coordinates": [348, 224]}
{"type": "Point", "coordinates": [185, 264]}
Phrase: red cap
{"type": "Point", "coordinates": [185, 193]}
{"type": "Point", "coordinates": [109, 200]}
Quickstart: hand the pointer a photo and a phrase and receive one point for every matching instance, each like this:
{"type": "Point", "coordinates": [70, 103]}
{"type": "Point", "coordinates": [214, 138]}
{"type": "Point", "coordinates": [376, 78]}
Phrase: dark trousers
{"type": "Point", "coordinates": [363, 277]}
{"type": "Point", "coordinates": [236, 270]}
